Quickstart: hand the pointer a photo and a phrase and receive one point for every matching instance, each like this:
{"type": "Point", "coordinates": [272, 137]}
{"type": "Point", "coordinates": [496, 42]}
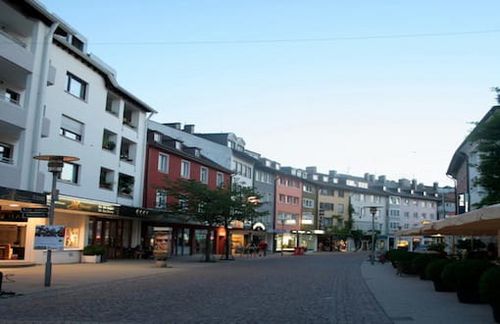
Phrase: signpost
{"type": "Point", "coordinates": [35, 212]}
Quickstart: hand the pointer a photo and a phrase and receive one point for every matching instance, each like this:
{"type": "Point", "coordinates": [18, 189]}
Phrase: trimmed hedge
{"type": "Point", "coordinates": [433, 272]}
{"type": "Point", "coordinates": [420, 262]}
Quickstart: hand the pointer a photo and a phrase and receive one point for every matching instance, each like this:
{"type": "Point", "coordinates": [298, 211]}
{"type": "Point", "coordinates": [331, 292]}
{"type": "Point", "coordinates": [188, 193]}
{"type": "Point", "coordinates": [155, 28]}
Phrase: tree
{"type": "Point", "coordinates": [241, 204]}
{"type": "Point", "coordinates": [197, 202]}
{"type": "Point", "coordinates": [487, 136]}
{"type": "Point", "coordinates": [213, 208]}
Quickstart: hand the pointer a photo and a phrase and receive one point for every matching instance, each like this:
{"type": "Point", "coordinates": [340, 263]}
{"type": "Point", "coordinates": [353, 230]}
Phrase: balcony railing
{"type": "Point", "coordinates": [13, 38]}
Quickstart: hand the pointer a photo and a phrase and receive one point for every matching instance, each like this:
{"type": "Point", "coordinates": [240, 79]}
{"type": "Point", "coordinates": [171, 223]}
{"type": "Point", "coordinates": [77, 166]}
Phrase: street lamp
{"type": "Point", "coordinates": [373, 211]}
{"type": "Point", "coordinates": [55, 166]}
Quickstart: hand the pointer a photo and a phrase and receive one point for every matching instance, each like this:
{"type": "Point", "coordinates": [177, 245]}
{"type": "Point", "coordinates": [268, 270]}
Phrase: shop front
{"type": "Point", "coordinates": [286, 242]}
{"type": "Point", "coordinates": [17, 227]}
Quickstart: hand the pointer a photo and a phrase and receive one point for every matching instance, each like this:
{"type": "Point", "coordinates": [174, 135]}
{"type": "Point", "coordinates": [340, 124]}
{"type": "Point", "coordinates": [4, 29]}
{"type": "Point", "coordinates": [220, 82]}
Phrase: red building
{"type": "Point", "coordinates": [288, 206]}
{"type": "Point", "coordinates": [168, 158]}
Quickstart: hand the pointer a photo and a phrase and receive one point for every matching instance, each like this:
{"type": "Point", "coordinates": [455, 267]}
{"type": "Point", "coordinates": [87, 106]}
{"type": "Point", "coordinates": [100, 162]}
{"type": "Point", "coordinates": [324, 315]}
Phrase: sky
{"type": "Point", "coordinates": [385, 87]}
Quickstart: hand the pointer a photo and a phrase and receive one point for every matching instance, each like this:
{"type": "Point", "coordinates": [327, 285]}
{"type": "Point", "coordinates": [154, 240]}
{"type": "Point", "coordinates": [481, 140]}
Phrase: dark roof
{"type": "Point", "coordinates": [459, 156]}
{"type": "Point", "coordinates": [200, 159]}
{"type": "Point", "coordinates": [243, 155]}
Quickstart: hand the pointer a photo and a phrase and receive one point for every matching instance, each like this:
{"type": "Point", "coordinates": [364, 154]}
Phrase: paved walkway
{"type": "Point", "coordinates": [408, 299]}
{"type": "Point", "coordinates": [319, 288]}
{"type": "Point", "coordinates": [29, 280]}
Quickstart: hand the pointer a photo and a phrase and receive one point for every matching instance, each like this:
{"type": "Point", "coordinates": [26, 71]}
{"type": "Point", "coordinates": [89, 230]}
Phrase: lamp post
{"type": "Point", "coordinates": [373, 211]}
{"type": "Point", "coordinates": [55, 166]}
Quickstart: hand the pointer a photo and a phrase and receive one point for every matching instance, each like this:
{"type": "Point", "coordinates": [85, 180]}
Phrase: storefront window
{"type": "Point", "coordinates": [71, 237]}
{"type": "Point", "coordinates": [90, 237]}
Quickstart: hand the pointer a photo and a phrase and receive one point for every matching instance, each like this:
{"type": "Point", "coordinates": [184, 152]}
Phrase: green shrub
{"type": "Point", "coordinates": [93, 250]}
{"type": "Point", "coordinates": [433, 272]}
{"type": "Point", "coordinates": [489, 286]}
{"type": "Point", "coordinates": [448, 275]}
{"type": "Point", "coordinates": [420, 262]}
{"type": "Point", "coordinates": [404, 261]}
{"type": "Point", "coordinates": [467, 274]}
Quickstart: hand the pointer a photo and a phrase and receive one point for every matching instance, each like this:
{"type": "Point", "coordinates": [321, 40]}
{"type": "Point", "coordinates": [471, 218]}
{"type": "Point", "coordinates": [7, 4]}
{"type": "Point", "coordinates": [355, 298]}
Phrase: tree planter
{"type": "Point", "coordinates": [496, 312]}
{"type": "Point", "coordinates": [91, 259]}
{"type": "Point", "coordinates": [440, 286]}
{"type": "Point", "coordinates": [468, 295]}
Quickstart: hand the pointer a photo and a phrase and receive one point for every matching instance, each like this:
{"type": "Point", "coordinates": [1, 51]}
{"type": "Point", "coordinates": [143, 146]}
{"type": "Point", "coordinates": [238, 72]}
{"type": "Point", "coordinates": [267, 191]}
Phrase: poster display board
{"type": "Point", "coordinates": [49, 237]}
{"type": "Point", "coordinates": [162, 240]}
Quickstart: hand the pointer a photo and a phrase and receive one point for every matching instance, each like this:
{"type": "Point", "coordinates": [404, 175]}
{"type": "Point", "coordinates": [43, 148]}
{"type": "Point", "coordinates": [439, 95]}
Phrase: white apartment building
{"type": "Point", "coordinates": [60, 100]}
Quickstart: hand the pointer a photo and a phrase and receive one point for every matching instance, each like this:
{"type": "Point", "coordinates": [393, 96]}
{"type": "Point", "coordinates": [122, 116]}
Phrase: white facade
{"type": "Point", "coordinates": [56, 99]}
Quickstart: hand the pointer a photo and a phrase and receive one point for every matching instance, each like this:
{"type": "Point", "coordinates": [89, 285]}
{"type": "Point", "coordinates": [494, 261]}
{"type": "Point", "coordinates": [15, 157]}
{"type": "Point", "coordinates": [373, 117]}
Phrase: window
{"type": "Point", "coordinates": [109, 140]}
{"type": "Point", "coordinates": [161, 199]}
{"type": "Point", "coordinates": [127, 150]}
{"type": "Point", "coordinates": [112, 104]}
{"type": "Point", "coordinates": [220, 179]}
{"type": "Point", "coordinates": [130, 115]}
{"type": "Point", "coordinates": [340, 208]}
{"type": "Point", "coordinates": [308, 203]}
{"type": "Point", "coordinates": [185, 169]}
{"type": "Point", "coordinates": [12, 96]}
{"type": "Point", "coordinates": [407, 214]}
{"type": "Point", "coordinates": [106, 179]}
{"type": "Point", "coordinates": [326, 206]}
{"type": "Point", "coordinates": [5, 153]}
{"type": "Point", "coordinates": [76, 86]}
{"type": "Point", "coordinates": [394, 212]}
{"type": "Point", "coordinates": [125, 185]}
{"type": "Point", "coordinates": [70, 172]}
{"type": "Point", "coordinates": [395, 200]}
{"type": "Point", "coordinates": [163, 163]}
{"type": "Point", "coordinates": [71, 128]}
{"type": "Point", "coordinates": [308, 188]}
{"type": "Point", "coordinates": [203, 175]}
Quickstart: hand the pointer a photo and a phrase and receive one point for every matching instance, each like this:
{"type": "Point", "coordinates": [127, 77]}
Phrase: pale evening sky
{"type": "Point", "coordinates": [386, 87]}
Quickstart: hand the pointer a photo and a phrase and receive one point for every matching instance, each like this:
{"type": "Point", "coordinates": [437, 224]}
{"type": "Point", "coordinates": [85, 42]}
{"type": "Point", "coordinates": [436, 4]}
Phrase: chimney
{"type": "Point", "coordinates": [173, 125]}
{"type": "Point", "coordinates": [311, 169]}
{"type": "Point", "coordinates": [414, 184]}
{"type": "Point", "coordinates": [371, 178]}
{"type": "Point", "coordinates": [382, 178]}
{"type": "Point", "coordinates": [332, 173]}
{"type": "Point", "coordinates": [189, 128]}
{"type": "Point", "coordinates": [435, 185]}
{"type": "Point", "coordinates": [366, 176]}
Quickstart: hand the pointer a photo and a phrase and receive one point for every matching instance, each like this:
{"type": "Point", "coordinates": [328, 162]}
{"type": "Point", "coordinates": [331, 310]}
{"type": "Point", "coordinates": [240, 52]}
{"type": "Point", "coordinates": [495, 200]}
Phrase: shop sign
{"type": "Point", "coordinates": [22, 195]}
{"type": "Point", "coordinates": [86, 206]}
{"type": "Point", "coordinates": [35, 212]}
{"type": "Point", "coordinates": [12, 216]}
{"type": "Point", "coordinates": [49, 237]}
{"type": "Point", "coordinates": [133, 212]}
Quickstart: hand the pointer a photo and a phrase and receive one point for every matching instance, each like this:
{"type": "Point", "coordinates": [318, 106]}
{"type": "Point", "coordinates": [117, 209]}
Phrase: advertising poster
{"type": "Point", "coordinates": [49, 237]}
{"type": "Point", "coordinates": [161, 245]}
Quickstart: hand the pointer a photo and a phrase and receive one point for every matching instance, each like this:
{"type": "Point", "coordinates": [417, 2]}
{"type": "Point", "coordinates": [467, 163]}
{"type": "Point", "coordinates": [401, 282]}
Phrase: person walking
{"type": "Point", "coordinates": [262, 248]}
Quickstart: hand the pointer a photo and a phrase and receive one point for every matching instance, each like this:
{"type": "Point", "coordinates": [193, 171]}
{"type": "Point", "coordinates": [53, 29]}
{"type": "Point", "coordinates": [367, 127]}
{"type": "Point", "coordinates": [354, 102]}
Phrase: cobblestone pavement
{"type": "Point", "coordinates": [319, 288]}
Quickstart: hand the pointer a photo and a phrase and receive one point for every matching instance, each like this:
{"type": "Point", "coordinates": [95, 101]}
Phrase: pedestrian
{"type": "Point", "coordinates": [262, 248]}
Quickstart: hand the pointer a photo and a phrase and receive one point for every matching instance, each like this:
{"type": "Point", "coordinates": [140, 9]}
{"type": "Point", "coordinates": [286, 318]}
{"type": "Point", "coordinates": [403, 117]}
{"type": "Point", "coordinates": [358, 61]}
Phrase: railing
{"type": "Point", "coordinates": [6, 160]}
{"type": "Point", "coordinates": [13, 38]}
{"type": "Point", "coordinates": [4, 97]}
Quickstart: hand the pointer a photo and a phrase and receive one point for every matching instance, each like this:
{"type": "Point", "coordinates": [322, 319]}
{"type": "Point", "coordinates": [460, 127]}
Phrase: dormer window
{"type": "Point", "coordinates": [76, 42]}
{"type": "Point", "coordinates": [178, 145]}
{"type": "Point", "coordinates": [325, 179]}
{"type": "Point", "coordinates": [157, 137]}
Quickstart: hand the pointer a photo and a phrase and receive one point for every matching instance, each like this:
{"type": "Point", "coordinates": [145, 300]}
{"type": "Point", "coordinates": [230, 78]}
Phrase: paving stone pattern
{"type": "Point", "coordinates": [321, 288]}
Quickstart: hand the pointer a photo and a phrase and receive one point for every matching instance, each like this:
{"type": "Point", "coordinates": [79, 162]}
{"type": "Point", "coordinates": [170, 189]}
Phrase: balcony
{"type": "Point", "coordinates": [15, 51]}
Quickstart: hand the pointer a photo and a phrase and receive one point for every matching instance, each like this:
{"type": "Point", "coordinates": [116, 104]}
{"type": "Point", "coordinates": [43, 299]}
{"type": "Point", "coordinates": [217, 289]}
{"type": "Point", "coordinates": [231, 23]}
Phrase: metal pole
{"type": "Point", "coordinates": [373, 238]}
{"type": "Point", "coordinates": [53, 198]}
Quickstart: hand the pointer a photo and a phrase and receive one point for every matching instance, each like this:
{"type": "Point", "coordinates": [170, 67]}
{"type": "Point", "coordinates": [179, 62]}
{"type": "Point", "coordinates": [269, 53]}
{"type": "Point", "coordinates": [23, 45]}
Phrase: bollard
{"type": "Point", "coordinates": [1, 280]}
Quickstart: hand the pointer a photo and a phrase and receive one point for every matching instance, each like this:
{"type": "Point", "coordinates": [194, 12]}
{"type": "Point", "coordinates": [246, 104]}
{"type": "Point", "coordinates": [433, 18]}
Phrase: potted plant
{"type": "Point", "coordinates": [92, 254]}
{"type": "Point", "coordinates": [420, 262]}
{"type": "Point", "coordinates": [448, 275]}
{"type": "Point", "coordinates": [109, 145]}
{"type": "Point", "coordinates": [489, 290]}
{"type": "Point", "coordinates": [433, 272]}
{"type": "Point", "coordinates": [468, 273]}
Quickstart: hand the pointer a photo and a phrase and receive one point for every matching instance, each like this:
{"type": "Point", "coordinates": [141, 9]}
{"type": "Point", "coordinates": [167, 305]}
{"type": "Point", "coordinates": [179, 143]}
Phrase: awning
{"type": "Point", "coordinates": [483, 221]}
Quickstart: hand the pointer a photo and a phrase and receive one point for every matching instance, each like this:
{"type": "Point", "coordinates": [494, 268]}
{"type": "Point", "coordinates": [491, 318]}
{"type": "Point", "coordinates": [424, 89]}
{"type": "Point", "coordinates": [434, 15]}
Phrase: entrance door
{"type": "Point", "coordinates": [114, 234]}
